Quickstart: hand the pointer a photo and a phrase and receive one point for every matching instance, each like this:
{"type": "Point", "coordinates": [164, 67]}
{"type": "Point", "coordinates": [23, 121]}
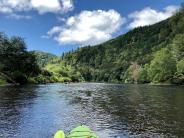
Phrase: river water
{"type": "Point", "coordinates": [112, 111]}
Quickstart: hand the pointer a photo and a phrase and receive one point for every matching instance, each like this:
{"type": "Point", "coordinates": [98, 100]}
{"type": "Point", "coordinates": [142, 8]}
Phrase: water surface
{"type": "Point", "coordinates": [113, 111]}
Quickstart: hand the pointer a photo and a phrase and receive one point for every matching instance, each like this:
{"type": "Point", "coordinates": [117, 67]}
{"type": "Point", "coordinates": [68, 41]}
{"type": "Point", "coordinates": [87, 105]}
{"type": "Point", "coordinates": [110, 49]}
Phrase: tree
{"type": "Point", "coordinates": [15, 61]}
{"type": "Point", "coordinates": [179, 75]}
{"type": "Point", "coordinates": [143, 74]}
{"type": "Point", "coordinates": [180, 67]}
{"type": "Point", "coordinates": [162, 67]}
{"type": "Point", "coordinates": [182, 6]}
{"type": "Point", "coordinates": [132, 73]}
{"type": "Point", "coordinates": [178, 47]}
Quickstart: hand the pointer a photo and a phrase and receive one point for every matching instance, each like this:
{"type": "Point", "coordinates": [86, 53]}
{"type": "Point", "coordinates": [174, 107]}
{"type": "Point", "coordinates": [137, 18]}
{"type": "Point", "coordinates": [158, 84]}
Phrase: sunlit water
{"type": "Point", "coordinates": [112, 111]}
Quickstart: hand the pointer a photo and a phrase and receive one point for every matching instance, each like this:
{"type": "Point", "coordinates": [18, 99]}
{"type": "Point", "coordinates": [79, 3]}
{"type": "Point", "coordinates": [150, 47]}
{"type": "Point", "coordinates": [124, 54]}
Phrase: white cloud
{"type": "Point", "coordinates": [67, 5]}
{"type": "Point", "coordinates": [42, 6]}
{"type": "Point", "coordinates": [54, 30]}
{"type": "Point", "coordinates": [88, 28]}
{"type": "Point", "coordinates": [9, 6]}
{"type": "Point", "coordinates": [149, 16]}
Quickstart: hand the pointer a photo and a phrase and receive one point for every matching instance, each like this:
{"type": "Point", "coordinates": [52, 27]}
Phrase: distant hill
{"type": "Point", "coordinates": [53, 69]}
{"type": "Point", "coordinates": [44, 58]}
{"type": "Point", "coordinates": [137, 56]}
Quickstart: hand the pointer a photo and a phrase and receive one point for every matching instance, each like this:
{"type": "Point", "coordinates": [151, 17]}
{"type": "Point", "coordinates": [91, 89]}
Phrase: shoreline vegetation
{"type": "Point", "coordinates": [145, 55]}
{"type": "Point", "coordinates": [4, 83]}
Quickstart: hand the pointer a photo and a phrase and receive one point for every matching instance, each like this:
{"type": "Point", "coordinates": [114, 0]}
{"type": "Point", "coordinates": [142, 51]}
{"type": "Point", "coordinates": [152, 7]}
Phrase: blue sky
{"type": "Point", "coordinates": [58, 26]}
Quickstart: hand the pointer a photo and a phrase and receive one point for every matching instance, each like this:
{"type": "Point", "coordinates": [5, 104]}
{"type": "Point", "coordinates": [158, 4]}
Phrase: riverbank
{"type": "Point", "coordinates": [48, 81]}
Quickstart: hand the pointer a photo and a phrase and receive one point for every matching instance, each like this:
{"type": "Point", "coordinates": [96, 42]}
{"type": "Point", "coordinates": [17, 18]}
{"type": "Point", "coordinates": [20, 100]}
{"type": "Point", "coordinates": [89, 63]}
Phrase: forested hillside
{"type": "Point", "coordinates": [43, 58]}
{"type": "Point", "coordinates": [53, 69]}
{"type": "Point", "coordinates": [146, 54]}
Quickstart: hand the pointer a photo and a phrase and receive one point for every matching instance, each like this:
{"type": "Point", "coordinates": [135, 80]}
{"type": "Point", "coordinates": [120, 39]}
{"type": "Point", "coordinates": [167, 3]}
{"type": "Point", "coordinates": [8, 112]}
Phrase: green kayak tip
{"type": "Point", "coordinates": [78, 132]}
{"type": "Point", "coordinates": [59, 134]}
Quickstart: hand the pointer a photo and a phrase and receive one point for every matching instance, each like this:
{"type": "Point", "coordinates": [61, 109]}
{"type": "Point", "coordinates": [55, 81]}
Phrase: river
{"type": "Point", "coordinates": [111, 110]}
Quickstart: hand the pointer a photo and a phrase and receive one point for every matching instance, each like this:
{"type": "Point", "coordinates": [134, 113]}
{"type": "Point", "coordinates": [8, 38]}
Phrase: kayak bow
{"type": "Point", "coordinates": [78, 132]}
{"type": "Point", "coordinates": [59, 134]}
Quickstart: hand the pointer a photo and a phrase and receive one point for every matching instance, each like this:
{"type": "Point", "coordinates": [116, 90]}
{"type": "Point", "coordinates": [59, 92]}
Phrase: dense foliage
{"type": "Point", "coordinates": [16, 64]}
{"type": "Point", "coordinates": [54, 70]}
{"type": "Point", "coordinates": [43, 58]}
{"type": "Point", "coordinates": [19, 66]}
{"type": "Point", "coordinates": [146, 54]}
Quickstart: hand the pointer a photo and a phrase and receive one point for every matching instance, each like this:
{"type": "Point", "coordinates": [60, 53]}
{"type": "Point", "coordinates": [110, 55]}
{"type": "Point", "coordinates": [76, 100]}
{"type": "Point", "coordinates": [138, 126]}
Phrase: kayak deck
{"type": "Point", "coordinates": [78, 132]}
{"type": "Point", "coordinates": [82, 132]}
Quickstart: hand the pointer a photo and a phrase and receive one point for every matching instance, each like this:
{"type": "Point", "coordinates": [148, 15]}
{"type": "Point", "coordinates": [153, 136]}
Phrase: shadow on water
{"type": "Point", "coordinates": [118, 111]}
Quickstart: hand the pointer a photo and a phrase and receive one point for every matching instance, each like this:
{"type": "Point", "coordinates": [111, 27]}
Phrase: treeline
{"type": "Point", "coordinates": [19, 66]}
{"type": "Point", "coordinates": [146, 54]}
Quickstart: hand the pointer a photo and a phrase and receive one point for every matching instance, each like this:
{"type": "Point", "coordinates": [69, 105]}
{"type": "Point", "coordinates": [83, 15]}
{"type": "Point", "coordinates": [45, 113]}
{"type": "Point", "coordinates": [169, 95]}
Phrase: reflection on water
{"type": "Point", "coordinates": [118, 111]}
